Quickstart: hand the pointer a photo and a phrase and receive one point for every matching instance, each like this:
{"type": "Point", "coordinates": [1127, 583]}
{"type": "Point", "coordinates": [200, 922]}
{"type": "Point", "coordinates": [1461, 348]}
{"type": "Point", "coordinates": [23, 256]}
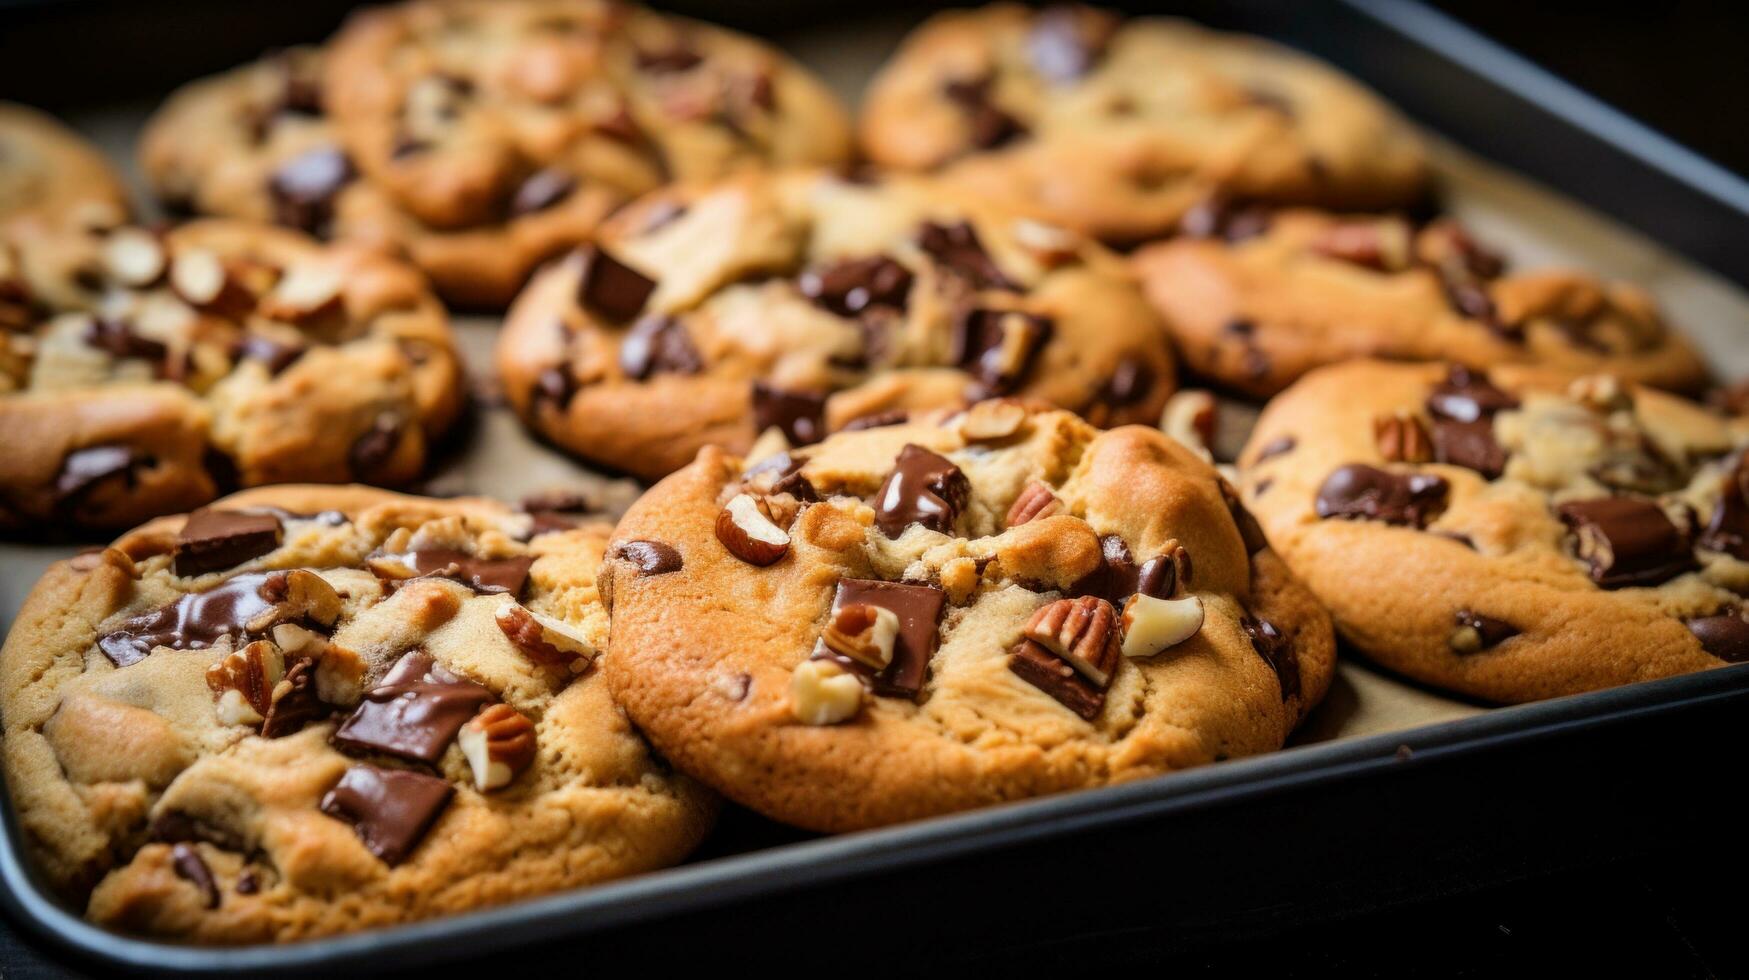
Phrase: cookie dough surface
{"type": "Point", "coordinates": [1118, 127]}
{"type": "Point", "coordinates": [484, 137]}
{"type": "Point", "coordinates": [1510, 536]}
{"type": "Point", "coordinates": [1254, 298]}
{"type": "Point", "coordinates": [311, 710]}
{"type": "Point", "coordinates": [49, 176]}
{"type": "Point", "coordinates": [971, 532]}
{"type": "Point", "coordinates": [148, 372]}
{"type": "Point", "coordinates": [804, 302]}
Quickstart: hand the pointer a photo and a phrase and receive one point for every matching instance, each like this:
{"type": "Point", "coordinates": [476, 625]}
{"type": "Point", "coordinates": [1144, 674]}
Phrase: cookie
{"type": "Point", "coordinates": [1508, 535]}
{"type": "Point", "coordinates": [1255, 298]}
{"type": "Point", "coordinates": [1119, 127]}
{"type": "Point", "coordinates": [310, 710]}
{"type": "Point", "coordinates": [484, 137]}
{"type": "Point", "coordinates": [965, 609]}
{"type": "Point", "coordinates": [804, 303]}
{"type": "Point", "coordinates": [146, 373]}
{"type": "Point", "coordinates": [50, 176]}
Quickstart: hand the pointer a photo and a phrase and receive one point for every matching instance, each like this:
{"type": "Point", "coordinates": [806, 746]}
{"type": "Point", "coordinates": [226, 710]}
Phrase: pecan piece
{"type": "Point", "coordinates": [1081, 631]}
{"type": "Point", "coordinates": [499, 743]}
{"type": "Point", "coordinates": [1401, 438]}
{"type": "Point", "coordinates": [1035, 503]}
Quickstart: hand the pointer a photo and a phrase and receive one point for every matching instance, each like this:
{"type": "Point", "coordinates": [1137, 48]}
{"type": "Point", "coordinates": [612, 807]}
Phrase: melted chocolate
{"type": "Point", "coordinates": [297, 706]}
{"type": "Point", "coordinates": [957, 249]}
{"type": "Point", "coordinates": [850, 287]}
{"type": "Point", "coordinates": [658, 344]}
{"type": "Point", "coordinates": [988, 125]}
{"type": "Point", "coordinates": [487, 575]}
{"type": "Point", "coordinates": [391, 810]}
{"type": "Point", "coordinates": [1724, 635]}
{"type": "Point", "coordinates": [192, 622]}
{"type": "Point", "coordinates": [211, 540]}
{"type": "Point", "coordinates": [1727, 529]}
{"type": "Point", "coordinates": [414, 713]}
{"type": "Point", "coordinates": [923, 488]}
{"type": "Point", "coordinates": [1277, 651]}
{"type": "Point", "coordinates": [1130, 382]}
{"type": "Point", "coordinates": [1368, 493]}
{"type": "Point", "coordinates": [1492, 632]}
{"type": "Point", "coordinates": [801, 415]}
{"type": "Point", "coordinates": [980, 346]}
{"type": "Point", "coordinates": [303, 188]}
{"type": "Point", "coordinates": [1627, 541]}
{"type": "Point", "coordinates": [374, 447]}
{"type": "Point", "coordinates": [82, 470]}
{"type": "Point", "coordinates": [189, 865]}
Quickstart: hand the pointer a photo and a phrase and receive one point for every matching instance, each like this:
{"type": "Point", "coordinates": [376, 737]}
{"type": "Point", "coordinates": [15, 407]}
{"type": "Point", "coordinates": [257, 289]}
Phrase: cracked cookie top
{"type": "Point", "coordinates": [803, 303]}
{"type": "Point", "coordinates": [1119, 127]}
{"type": "Point", "coordinates": [1573, 535]}
{"type": "Point", "coordinates": [1255, 297]}
{"type": "Point", "coordinates": [965, 608]}
{"type": "Point", "coordinates": [311, 710]}
{"type": "Point", "coordinates": [145, 372]}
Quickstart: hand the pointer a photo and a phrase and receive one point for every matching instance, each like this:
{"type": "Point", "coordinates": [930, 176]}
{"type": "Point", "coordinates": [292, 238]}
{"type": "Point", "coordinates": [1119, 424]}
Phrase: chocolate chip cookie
{"type": "Point", "coordinates": [309, 710]}
{"type": "Point", "coordinates": [804, 303]}
{"type": "Point", "coordinates": [1510, 535]}
{"type": "Point", "coordinates": [50, 176]}
{"type": "Point", "coordinates": [1119, 127]}
{"type": "Point", "coordinates": [484, 137]}
{"type": "Point", "coordinates": [1254, 298]}
{"type": "Point", "coordinates": [963, 609]}
{"type": "Point", "coordinates": [144, 373]}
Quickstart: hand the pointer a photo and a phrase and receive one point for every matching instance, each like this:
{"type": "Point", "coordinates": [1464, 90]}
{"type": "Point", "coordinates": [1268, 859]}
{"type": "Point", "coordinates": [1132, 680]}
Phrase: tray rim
{"type": "Point", "coordinates": [719, 881]}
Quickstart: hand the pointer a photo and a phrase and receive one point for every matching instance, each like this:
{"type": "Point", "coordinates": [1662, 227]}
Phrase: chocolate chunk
{"type": "Point", "coordinates": [1130, 382]}
{"type": "Point", "coordinates": [189, 865]}
{"type": "Point", "coordinates": [801, 415]}
{"type": "Point", "coordinates": [248, 883]}
{"type": "Point", "coordinates": [919, 610]}
{"type": "Point", "coordinates": [215, 539]}
{"type": "Point", "coordinates": [1488, 632]}
{"type": "Point", "coordinates": [303, 188]}
{"type": "Point", "coordinates": [1627, 541]}
{"type": "Point", "coordinates": [675, 58]}
{"type": "Point", "coordinates": [486, 575]}
{"type": "Point", "coordinates": [414, 713]}
{"type": "Point", "coordinates": [1369, 493]}
{"type": "Point", "coordinates": [1274, 448]}
{"type": "Point", "coordinates": [1469, 444]}
{"type": "Point", "coordinates": [1725, 635]}
{"type": "Point", "coordinates": [923, 488]}
{"type": "Point", "coordinates": [373, 448]}
{"type": "Point", "coordinates": [176, 826]}
{"type": "Point", "coordinates": [275, 355]}
{"type": "Point", "coordinates": [1728, 528]}
{"type": "Point", "coordinates": [1250, 531]}
{"type": "Point", "coordinates": [295, 703]}
{"type": "Point", "coordinates": [542, 190]}
{"type": "Point", "coordinates": [1117, 577]}
{"type": "Point", "coordinates": [83, 469]}
{"type": "Point", "coordinates": [1158, 577]}
{"type": "Point", "coordinates": [852, 286]}
{"type": "Point", "coordinates": [957, 249]}
{"type": "Point", "coordinates": [1277, 651]}
{"type": "Point", "coordinates": [1065, 42]}
{"type": "Point", "coordinates": [989, 126]}
{"type": "Point", "coordinates": [555, 386]}
{"type": "Point", "coordinates": [118, 339]}
{"type": "Point", "coordinates": [658, 344]}
{"type": "Point", "coordinates": [1471, 299]}
{"type": "Point", "coordinates": [997, 347]}
{"type": "Point", "coordinates": [611, 288]}
{"type": "Point", "coordinates": [878, 420]}
{"type": "Point", "coordinates": [1467, 396]}
{"type": "Point", "coordinates": [194, 621]}
{"type": "Point", "coordinates": [1037, 666]}
{"type": "Point", "coordinates": [650, 557]}
{"type": "Point", "coordinates": [555, 511]}
{"type": "Point", "coordinates": [1222, 217]}
{"type": "Point", "coordinates": [390, 809]}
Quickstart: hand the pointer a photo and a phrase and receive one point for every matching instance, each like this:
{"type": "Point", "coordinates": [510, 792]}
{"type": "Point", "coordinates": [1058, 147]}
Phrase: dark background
{"type": "Point", "coordinates": [1676, 911]}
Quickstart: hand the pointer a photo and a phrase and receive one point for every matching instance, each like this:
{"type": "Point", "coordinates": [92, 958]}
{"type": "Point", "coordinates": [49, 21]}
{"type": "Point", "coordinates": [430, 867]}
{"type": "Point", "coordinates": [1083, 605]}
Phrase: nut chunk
{"type": "Point", "coordinates": [745, 528]}
{"type": "Point", "coordinates": [823, 693]}
{"type": "Point", "coordinates": [863, 632]}
{"type": "Point", "coordinates": [545, 640]}
{"type": "Point", "coordinates": [499, 744]}
{"type": "Point", "coordinates": [1081, 631]}
{"type": "Point", "coordinates": [1152, 625]}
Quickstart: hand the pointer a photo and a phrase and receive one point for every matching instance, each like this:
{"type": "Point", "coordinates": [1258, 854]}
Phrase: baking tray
{"type": "Point", "coordinates": [1390, 792]}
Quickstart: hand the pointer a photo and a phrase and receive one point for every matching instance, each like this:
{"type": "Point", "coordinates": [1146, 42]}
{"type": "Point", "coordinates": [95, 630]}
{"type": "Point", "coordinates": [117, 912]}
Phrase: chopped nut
{"type": "Point", "coordinates": [1601, 393]}
{"type": "Point", "coordinates": [746, 529]}
{"type": "Point", "coordinates": [133, 257]}
{"type": "Point", "coordinates": [1190, 418]}
{"type": "Point", "coordinates": [244, 682]}
{"type": "Point", "coordinates": [1379, 245]}
{"type": "Point", "coordinates": [1081, 631]}
{"type": "Point", "coordinates": [1036, 502]}
{"type": "Point", "coordinates": [1402, 438]}
{"type": "Point", "coordinates": [499, 743]}
{"type": "Point", "coordinates": [200, 277]}
{"type": "Point", "coordinates": [298, 595]}
{"type": "Point", "coordinates": [1050, 245]}
{"type": "Point", "coordinates": [864, 633]}
{"type": "Point", "coordinates": [770, 442]}
{"type": "Point", "coordinates": [305, 292]}
{"type": "Point", "coordinates": [340, 676]}
{"type": "Point", "coordinates": [823, 693]}
{"type": "Point", "coordinates": [545, 640]}
{"type": "Point", "coordinates": [988, 421]}
{"type": "Point", "coordinates": [1151, 625]}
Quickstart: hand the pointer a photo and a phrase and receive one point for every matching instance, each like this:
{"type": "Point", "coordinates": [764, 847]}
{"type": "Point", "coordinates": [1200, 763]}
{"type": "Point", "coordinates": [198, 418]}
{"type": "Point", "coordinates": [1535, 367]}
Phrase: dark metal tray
{"type": "Point", "coordinates": [1230, 850]}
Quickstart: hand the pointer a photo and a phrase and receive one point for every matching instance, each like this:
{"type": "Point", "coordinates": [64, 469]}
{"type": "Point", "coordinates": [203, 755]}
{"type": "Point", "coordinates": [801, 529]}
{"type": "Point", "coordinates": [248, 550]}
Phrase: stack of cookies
{"type": "Point", "coordinates": [930, 523]}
